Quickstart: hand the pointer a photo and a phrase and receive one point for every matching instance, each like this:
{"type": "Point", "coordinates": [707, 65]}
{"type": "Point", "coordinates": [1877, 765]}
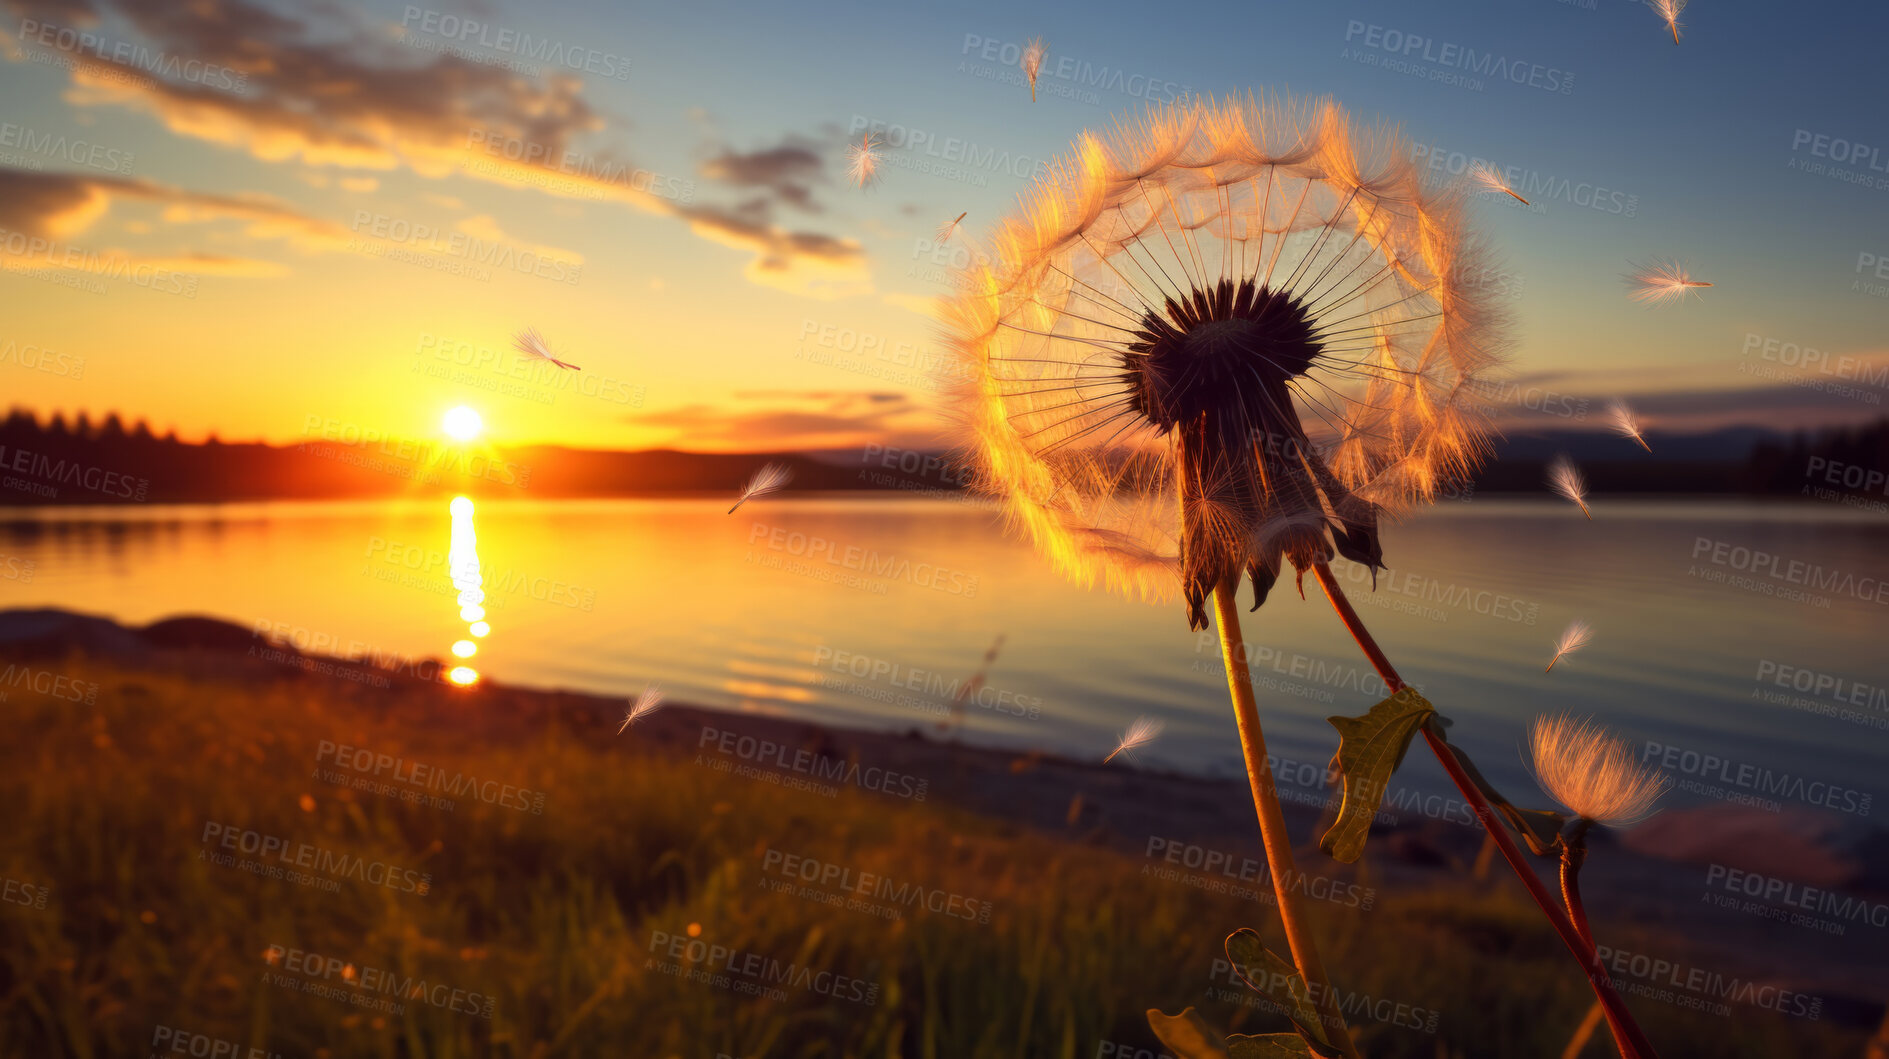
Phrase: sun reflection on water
{"type": "Point", "coordinates": [462, 563]}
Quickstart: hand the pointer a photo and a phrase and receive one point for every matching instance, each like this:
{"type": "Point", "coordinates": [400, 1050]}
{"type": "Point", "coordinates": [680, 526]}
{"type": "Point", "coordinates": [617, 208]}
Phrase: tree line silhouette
{"type": "Point", "coordinates": [56, 460]}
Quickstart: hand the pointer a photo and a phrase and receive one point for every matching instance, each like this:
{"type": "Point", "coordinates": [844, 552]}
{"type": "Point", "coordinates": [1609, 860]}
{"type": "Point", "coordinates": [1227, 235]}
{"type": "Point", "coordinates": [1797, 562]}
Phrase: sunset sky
{"type": "Point", "coordinates": [251, 218]}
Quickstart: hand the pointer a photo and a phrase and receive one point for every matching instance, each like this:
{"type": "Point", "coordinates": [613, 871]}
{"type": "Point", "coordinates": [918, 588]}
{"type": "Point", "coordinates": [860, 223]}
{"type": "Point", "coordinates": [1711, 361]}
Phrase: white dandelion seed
{"type": "Point", "coordinates": [1032, 61]}
{"type": "Point", "coordinates": [1626, 425]}
{"type": "Point", "coordinates": [1565, 479]}
{"type": "Point", "coordinates": [769, 479]}
{"type": "Point", "coordinates": [865, 161]}
{"type": "Point", "coordinates": [946, 229]}
{"type": "Point", "coordinates": [1487, 177]}
{"type": "Point", "coordinates": [1143, 730]}
{"type": "Point", "coordinates": [1576, 637]}
{"type": "Point", "coordinates": [1661, 282]}
{"type": "Point", "coordinates": [1668, 11]}
{"type": "Point", "coordinates": [647, 703]}
{"type": "Point", "coordinates": [533, 346]}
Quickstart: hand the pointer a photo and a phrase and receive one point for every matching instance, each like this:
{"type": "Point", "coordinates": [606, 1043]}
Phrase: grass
{"type": "Point", "coordinates": [552, 915]}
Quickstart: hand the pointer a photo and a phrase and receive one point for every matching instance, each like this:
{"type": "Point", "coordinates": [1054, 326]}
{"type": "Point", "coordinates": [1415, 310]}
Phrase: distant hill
{"type": "Point", "coordinates": [60, 462]}
{"type": "Point", "coordinates": [56, 462]}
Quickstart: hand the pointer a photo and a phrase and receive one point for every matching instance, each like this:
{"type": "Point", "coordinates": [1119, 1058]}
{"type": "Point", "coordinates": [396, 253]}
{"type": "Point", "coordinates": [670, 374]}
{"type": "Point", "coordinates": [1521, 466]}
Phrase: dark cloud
{"type": "Point", "coordinates": [788, 171]}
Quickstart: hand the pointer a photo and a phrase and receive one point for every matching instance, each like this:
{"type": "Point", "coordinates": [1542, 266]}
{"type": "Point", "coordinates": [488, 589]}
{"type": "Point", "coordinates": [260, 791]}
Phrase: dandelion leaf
{"type": "Point", "coordinates": [1539, 828]}
{"type": "Point", "coordinates": [1278, 981]}
{"type": "Point", "coordinates": [1187, 1035]}
{"type": "Point", "coordinates": [1268, 1046]}
{"type": "Point", "coordinates": [1369, 749]}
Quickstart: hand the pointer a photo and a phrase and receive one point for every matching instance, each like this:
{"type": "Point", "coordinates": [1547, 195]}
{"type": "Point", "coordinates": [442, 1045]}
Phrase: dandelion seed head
{"type": "Point", "coordinates": [1573, 638]}
{"type": "Point", "coordinates": [1565, 479]}
{"type": "Point", "coordinates": [1668, 12]}
{"type": "Point", "coordinates": [771, 478]}
{"type": "Point", "coordinates": [1660, 282]}
{"type": "Point", "coordinates": [534, 347]}
{"type": "Point", "coordinates": [1141, 731]}
{"type": "Point", "coordinates": [1484, 176]}
{"type": "Point", "coordinates": [1223, 317]}
{"type": "Point", "coordinates": [1032, 61]}
{"type": "Point", "coordinates": [1592, 773]}
{"type": "Point", "coordinates": [647, 703]}
{"type": "Point", "coordinates": [863, 166]}
{"type": "Point", "coordinates": [1625, 424]}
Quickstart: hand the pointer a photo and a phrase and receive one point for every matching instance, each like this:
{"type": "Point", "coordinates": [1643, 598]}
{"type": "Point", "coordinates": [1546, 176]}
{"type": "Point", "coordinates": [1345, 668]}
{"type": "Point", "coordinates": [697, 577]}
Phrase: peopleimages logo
{"type": "Point", "coordinates": [919, 149]}
{"type": "Point", "coordinates": [1077, 74]}
{"type": "Point", "coordinates": [778, 756]}
{"type": "Point", "coordinates": [861, 560]}
{"type": "Point", "coordinates": [123, 53]}
{"type": "Point", "coordinates": [361, 984]}
{"type": "Point", "coordinates": [1414, 47]}
{"type": "Point", "coordinates": [251, 843]}
{"type": "Point", "coordinates": [1743, 776]}
{"type": "Point", "coordinates": [1797, 895]}
{"type": "Point", "coordinates": [1665, 977]}
{"type": "Point", "coordinates": [1794, 571]}
{"type": "Point", "coordinates": [169, 1040]}
{"type": "Point", "coordinates": [574, 57]}
{"type": "Point", "coordinates": [874, 887]}
{"type": "Point", "coordinates": [422, 776]}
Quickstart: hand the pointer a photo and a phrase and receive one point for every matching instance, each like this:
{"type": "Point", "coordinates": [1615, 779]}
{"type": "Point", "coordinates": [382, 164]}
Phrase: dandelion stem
{"type": "Point", "coordinates": [1272, 820]}
{"type": "Point", "coordinates": [1571, 859]}
{"type": "Point", "coordinates": [1627, 1035]}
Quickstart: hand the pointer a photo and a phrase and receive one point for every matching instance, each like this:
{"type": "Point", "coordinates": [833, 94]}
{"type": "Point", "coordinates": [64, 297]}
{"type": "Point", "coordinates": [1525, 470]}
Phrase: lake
{"type": "Point", "coordinates": [1744, 639]}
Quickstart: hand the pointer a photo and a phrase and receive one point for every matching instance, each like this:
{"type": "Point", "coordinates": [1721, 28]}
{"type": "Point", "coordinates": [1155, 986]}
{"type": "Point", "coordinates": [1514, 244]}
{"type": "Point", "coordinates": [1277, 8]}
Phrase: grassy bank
{"type": "Point", "coordinates": [574, 920]}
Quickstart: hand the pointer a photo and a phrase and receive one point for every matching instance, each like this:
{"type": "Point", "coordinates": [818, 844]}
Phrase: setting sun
{"type": "Point", "coordinates": [462, 424]}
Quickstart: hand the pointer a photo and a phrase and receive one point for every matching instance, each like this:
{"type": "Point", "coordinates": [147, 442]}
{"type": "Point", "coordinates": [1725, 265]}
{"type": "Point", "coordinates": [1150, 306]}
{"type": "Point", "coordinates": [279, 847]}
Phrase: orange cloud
{"type": "Point", "coordinates": [796, 421]}
{"type": "Point", "coordinates": [445, 116]}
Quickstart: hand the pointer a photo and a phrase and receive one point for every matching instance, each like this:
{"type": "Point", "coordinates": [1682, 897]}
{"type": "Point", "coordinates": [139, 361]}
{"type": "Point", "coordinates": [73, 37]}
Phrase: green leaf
{"type": "Point", "coordinates": [1269, 1046]}
{"type": "Point", "coordinates": [1539, 828]}
{"type": "Point", "coordinates": [1188, 1035]}
{"type": "Point", "coordinates": [1369, 749]}
{"type": "Point", "coordinates": [1278, 981]}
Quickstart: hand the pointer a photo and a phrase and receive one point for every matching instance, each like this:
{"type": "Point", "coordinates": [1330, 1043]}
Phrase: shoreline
{"type": "Point", "coordinates": [1189, 830]}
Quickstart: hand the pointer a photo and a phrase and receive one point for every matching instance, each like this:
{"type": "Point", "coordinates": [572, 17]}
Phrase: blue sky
{"type": "Point", "coordinates": [1693, 151]}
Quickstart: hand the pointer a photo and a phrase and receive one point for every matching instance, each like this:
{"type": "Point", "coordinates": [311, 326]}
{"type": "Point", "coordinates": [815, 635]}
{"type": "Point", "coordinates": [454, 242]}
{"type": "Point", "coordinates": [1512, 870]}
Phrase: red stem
{"type": "Point", "coordinates": [1627, 1035]}
{"type": "Point", "coordinates": [1571, 894]}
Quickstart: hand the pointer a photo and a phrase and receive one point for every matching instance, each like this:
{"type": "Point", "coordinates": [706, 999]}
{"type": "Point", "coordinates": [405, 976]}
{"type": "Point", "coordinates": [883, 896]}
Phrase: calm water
{"type": "Point", "coordinates": [868, 612]}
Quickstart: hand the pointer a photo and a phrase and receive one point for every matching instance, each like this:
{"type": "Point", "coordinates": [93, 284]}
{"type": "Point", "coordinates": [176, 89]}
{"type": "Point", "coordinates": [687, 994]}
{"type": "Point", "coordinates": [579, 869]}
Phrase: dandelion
{"type": "Point", "coordinates": [532, 345]}
{"type": "Point", "coordinates": [1032, 61]}
{"type": "Point", "coordinates": [1489, 178]}
{"type": "Point", "coordinates": [1591, 773]}
{"type": "Point", "coordinates": [1662, 282]}
{"type": "Point", "coordinates": [1228, 338]}
{"type": "Point", "coordinates": [1626, 425]}
{"type": "Point", "coordinates": [1597, 777]}
{"type": "Point", "coordinates": [647, 703]}
{"type": "Point", "coordinates": [1565, 479]}
{"type": "Point", "coordinates": [771, 478]}
{"type": "Point", "coordinates": [946, 229]}
{"type": "Point", "coordinates": [1572, 640]}
{"type": "Point", "coordinates": [1143, 730]}
{"type": "Point", "coordinates": [864, 168]}
{"type": "Point", "coordinates": [1668, 11]}
{"type": "Point", "coordinates": [1225, 338]}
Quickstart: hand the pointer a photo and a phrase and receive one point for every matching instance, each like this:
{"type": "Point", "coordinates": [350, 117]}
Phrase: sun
{"type": "Point", "coordinates": [462, 423]}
